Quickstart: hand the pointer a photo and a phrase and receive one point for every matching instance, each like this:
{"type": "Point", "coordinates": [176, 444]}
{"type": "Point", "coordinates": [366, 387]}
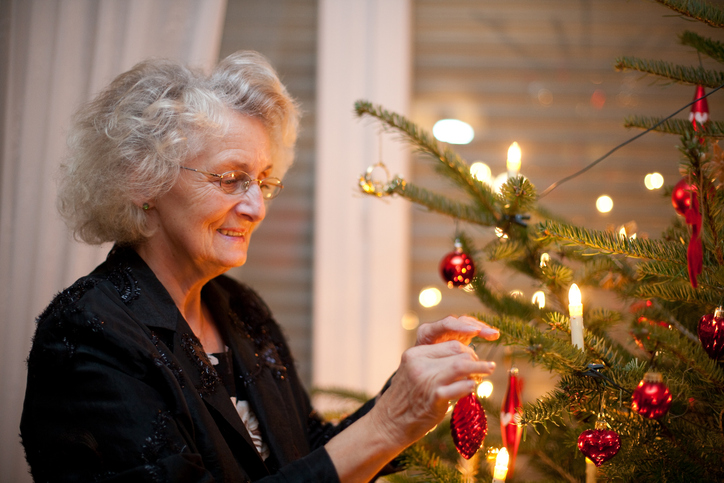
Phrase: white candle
{"type": "Point", "coordinates": [513, 163]}
{"type": "Point", "coordinates": [590, 471]}
{"type": "Point", "coordinates": [575, 310]}
{"type": "Point", "coordinates": [501, 466]}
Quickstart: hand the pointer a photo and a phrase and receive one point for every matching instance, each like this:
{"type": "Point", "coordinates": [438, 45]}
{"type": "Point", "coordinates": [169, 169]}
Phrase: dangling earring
{"type": "Point", "coordinates": [146, 207]}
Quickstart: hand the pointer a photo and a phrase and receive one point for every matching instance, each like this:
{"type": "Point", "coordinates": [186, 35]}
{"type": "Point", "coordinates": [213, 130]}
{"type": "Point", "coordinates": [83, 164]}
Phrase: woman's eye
{"type": "Point", "coordinates": [230, 181]}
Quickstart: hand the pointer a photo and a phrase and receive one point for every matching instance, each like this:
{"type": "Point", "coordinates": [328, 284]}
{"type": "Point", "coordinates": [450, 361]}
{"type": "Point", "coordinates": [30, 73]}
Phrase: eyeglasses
{"type": "Point", "coordinates": [238, 182]}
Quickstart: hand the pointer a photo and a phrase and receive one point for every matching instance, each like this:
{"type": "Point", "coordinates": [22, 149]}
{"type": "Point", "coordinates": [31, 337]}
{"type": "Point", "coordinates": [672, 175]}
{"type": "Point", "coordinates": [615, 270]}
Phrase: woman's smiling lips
{"type": "Point", "coordinates": [231, 232]}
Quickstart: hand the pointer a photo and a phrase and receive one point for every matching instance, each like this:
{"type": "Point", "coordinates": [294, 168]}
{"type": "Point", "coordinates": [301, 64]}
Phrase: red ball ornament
{"type": "Point", "coordinates": [468, 425]}
{"type": "Point", "coordinates": [683, 196]}
{"type": "Point", "coordinates": [711, 333]}
{"type": "Point", "coordinates": [600, 444]}
{"type": "Point", "coordinates": [457, 268]}
{"type": "Point", "coordinates": [651, 398]}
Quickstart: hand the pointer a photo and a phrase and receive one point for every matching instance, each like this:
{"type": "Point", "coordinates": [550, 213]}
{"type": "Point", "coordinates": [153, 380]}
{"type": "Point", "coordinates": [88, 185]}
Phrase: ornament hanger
{"type": "Point", "coordinates": [370, 183]}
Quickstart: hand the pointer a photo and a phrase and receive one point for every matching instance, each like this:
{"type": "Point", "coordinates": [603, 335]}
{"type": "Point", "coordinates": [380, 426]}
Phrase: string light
{"type": "Point", "coordinates": [539, 299]}
{"type": "Point", "coordinates": [544, 259]}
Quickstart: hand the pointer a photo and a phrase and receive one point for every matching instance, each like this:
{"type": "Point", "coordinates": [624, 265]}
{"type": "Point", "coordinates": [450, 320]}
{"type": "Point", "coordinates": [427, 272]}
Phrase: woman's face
{"type": "Point", "coordinates": [200, 227]}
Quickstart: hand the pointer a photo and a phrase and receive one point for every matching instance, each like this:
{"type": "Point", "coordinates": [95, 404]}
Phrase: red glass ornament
{"type": "Point", "coordinates": [683, 196]}
{"type": "Point", "coordinates": [651, 398]}
{"type": "Point", "coordinates": [509, 428]}
{"type": "Point", "coordinates": [700, 109]}
{"type": "Point", "coordinates": [600, 444]}
{"type": "Point", "coordinates": [711, 333]}
{"type": "Point", "coordinates": [468, 425]}
{"type": "Point", "coordinates": [457, 268]}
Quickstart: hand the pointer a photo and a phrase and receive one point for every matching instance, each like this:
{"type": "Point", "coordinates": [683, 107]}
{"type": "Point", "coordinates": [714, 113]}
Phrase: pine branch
{"type": "Point", "coordinates": [501, 304]}
{"type": "Point", "coordinates": [455, 168]}
{"type": "Point", "coordinates": [505, 250]}
{"type": "Point", "coordinates": [608, 242]}
{"type": "Point", "coordinates": [691, 356]}
{"type": "Point", "coordinates": [675, 126]}
{"type": "Point", "coordinates": [705, 45]}
{"type": "Point", "coordinates": [546, 348]}
{"type": "Point", "coordinates": [701, 11]}
{"type": "Point", "coordinates": [432, 468]}
{"type": "Point", "coordinates": [548, 408]}
{"type": "Point", "coordinates": [442, 204]}
{"type": "Point", "coordinates": [548, 461]}
{"type": "Point", "coordinates": [679, 292]}
{"type": "Point", "coordinates": [676, 73]}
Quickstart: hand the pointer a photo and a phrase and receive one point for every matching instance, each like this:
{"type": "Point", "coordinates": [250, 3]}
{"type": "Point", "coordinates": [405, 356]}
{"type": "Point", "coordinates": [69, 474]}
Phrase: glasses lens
{"type": "Point", "coordinates": [235, 182]}
{"type": "Point", "coordinates": [270, 187]}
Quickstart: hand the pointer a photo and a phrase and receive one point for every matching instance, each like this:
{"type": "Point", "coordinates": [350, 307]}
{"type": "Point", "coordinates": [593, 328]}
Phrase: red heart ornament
{"type": "Point", "coordinates": [599, 445]}
{"type": "Point", "coordinates": [468, 425]}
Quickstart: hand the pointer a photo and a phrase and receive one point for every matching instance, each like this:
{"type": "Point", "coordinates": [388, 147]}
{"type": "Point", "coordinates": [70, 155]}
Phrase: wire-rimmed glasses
{"type": "Point", "coordinates": [238, 182]}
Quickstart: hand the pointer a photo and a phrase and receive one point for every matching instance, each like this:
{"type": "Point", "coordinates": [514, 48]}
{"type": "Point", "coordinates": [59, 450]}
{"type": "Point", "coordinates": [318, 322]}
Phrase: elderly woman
{"type": "Point", "coordinates": [156, 366]}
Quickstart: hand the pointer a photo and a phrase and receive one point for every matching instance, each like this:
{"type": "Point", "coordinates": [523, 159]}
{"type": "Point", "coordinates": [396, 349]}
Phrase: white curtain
{"type": "Point", "coordinates": [54, 55]}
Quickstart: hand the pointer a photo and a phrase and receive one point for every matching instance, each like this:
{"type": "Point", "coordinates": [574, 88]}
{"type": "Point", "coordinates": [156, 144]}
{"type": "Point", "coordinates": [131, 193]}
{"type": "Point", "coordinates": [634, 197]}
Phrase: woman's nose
{"type": "Point", "coordinates": [251, 203]}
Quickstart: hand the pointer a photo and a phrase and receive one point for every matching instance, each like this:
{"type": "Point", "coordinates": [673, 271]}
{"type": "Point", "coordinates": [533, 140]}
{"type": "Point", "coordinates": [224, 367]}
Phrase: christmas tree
{"type": "Point", "coordinates": [648, 406]}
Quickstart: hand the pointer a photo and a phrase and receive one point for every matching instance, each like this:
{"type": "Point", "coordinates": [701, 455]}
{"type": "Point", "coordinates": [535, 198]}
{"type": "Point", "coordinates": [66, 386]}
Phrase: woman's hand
{"type": "Point", "coordinates": [439, 369]}
{"type": "Point", "coordinates": [462, 329]}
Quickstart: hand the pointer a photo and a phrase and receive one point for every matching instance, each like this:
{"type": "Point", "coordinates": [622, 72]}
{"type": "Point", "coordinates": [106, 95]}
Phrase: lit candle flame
{"type": "Point", "coordinates": [574, 295]}
{"type": "Point", "coordinates": [539, 298]}
{"type": "Point", "coordinates": [513, 163]}
{"type": "Point", "coordinates": [501, 466]}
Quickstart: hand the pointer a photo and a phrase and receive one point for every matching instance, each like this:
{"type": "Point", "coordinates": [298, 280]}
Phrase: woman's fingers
{"type": "Point", "coordinates": [429, 377]}
{"type": "Point", "coordinates": [449, 361]}
{"type": "Point", "coordinates": [462, 329]}
{"type": "Point", "coordinates": [456, 390]}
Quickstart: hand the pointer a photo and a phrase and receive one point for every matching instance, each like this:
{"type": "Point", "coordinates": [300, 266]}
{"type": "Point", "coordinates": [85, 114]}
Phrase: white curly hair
{"type": "Point", "coordinates": [127, 144]}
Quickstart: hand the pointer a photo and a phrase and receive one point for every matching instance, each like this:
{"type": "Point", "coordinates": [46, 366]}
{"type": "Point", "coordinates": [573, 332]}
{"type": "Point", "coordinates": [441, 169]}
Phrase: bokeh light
{"type": "Point", "coordinates": [410, 321]}
{"type": "Point", "coordinates": [653, 181]}
{"type": "Point", "coordinates": [485, 388]}
{"type": "Point", "coordinates": [453, 131]}
{"type": "Point", "coordinates": [604, 204]}
{"type": "Point", "coordinates": [430, 297]}
{"type": "Point", "coordinates": [481, 172]}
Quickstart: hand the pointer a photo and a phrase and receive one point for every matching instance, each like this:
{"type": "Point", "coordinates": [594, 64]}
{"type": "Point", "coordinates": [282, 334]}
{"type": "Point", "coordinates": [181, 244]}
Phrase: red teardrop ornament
{"type": "Point", "coordinates": [711, 333]}
{"type": "Point", "coordinates": [651, 398]}
{"type": "Point", "coordinates": [599, 445]}
{"type": "Point", "coordinates": [509, 428]}
{"type": "Point", "coordinates": [457, 268]}
{"type": "Point", "coordinates": [468, 425]}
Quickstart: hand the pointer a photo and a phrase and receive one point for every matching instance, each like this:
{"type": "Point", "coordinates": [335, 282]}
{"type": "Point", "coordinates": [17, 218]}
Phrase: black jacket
{"type": "Point", "coordinates": [119, 388]}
